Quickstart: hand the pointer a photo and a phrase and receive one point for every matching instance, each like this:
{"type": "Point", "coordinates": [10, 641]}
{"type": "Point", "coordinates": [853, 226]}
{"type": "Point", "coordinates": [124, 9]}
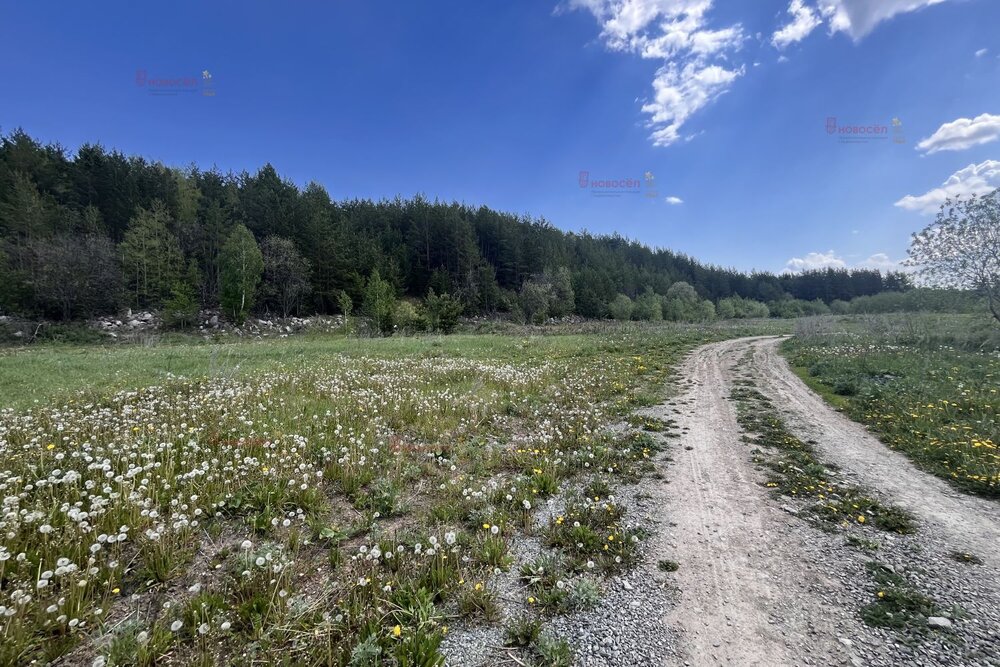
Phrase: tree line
{"type": "Point", "coordinates": [93, 231]}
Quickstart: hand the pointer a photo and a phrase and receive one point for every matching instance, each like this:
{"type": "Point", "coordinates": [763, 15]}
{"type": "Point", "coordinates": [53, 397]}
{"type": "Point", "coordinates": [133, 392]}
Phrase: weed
{"type": "Point", "coordinates": [477, 601]}
{"type": "Point", "coordinates": [965, 557]}
{"type": "Point", "coordinates": [897, 605]}
{"type": "Point", "coordinates": [522, 631]}
{"type": "Point", "coordinates": [553, 652]}
{"type": "Point", "coordinates": [862, 543]}
{"type": "Point", "coordinates": [584, 595]}
{"type": "Point", "coordinates": [668, 565]}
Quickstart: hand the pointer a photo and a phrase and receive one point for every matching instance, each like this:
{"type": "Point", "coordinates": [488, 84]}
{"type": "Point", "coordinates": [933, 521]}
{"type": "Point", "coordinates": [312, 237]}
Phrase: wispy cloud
{"type": "Point", "coordinates": [695, 69]}
{"type": "Point", "coordinates": [976, 179]}
{"type": "Point", "coordinates": [962, 133]}
{"type": "Point", "coordinates": [856, 18]}
{"type": "Point", "coordinates": [804, 20]}
{"type": "Point", "coordinates": [674, 201]}
{"type": "Point", "coordinates": [859, 17]}
{"type": "Point", "coordinates": [697, 57]}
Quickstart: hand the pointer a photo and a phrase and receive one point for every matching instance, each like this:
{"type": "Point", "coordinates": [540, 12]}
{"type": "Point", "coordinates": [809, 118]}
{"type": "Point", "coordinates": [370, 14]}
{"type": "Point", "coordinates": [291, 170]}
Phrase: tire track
{"type": "Point", "coordinates": [749, 591]}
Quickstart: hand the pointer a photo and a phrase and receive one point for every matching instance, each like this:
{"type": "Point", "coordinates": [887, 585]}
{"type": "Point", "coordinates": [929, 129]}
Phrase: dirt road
{"type": "Point", "coordinates": [759, 586]}
{"type": "Point", "coordinates": [968, 522]}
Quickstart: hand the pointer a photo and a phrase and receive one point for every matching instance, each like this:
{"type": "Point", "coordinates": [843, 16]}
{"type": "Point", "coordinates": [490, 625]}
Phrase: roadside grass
{"type": "Point", "coordinates": [897, 604]}
{"type": "Point", "coordinates": [930, 389]}
{"type": "Point", "coordinates": [314, 500]}
{"type": "Point", "coordinates": [827, 392]}
{"type": "Point", "coordinates": [796, 472]}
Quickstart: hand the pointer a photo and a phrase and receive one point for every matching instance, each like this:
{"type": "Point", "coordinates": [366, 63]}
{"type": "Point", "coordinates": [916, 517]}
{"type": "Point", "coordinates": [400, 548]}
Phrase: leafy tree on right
{"type": "Point", "coordinates": [961, 248]}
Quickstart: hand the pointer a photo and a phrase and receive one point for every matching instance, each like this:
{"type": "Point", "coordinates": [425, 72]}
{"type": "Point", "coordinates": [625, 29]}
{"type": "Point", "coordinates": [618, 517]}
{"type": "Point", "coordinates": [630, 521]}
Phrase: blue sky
{"type": "Point", "coordinates": [724, 103]}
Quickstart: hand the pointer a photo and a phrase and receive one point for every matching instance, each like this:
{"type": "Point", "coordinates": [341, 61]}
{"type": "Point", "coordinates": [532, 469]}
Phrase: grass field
{"type": "Point", "coordinates": [314, 500]}
{"type": "Point", "coordinates": [927, 386]}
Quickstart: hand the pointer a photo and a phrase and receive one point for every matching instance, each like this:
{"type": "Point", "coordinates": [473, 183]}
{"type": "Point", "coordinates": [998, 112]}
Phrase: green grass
{"type": "Point", "coordinates": [47, 373]}
{"type": "Point", "coordinates": [928, 387]}
{"type": "Point", "coordinates": [837, 401]}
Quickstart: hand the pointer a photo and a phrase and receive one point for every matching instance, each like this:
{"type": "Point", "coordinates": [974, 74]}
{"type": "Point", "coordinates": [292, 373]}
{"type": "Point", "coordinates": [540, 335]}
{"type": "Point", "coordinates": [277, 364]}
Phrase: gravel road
{"type": "Point", "coordinates": [969, 522]}
{"type": "Point", "coordinates": [759, 586]}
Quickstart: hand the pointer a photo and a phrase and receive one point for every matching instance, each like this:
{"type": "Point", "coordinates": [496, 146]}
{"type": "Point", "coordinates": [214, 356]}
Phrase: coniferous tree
{"type": "Point", "coordinates": [442, 311]}
{"type": "Point", "coordinates": [482, 257]}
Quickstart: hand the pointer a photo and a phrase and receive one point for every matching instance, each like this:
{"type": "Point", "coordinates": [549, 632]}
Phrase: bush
{"type": "Point", "coordinates": [648, 307]}
{"type": "Point", "coordinates": [736, 307]}
{"type": "Point", "coordinates": [380, 303]}
{"type": "Point", "coordinates": [442, 312]}
{"type": "Point", "coordinates": [535, 298]}
{"type": "Point", "coordinates": [621, 308]}
{"type": "Point", "coordinates": [407, 317]}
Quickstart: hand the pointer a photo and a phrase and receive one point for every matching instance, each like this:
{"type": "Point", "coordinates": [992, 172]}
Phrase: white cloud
{"type": "Point", "coordinates": [680, 92]}
{"type": "Point", "coordinates": [963, 133]}
{"type": "Point", "coordinates": [674, 201]}
{"type": "Point", "coordinates": [804, 21]}
{"type": "Point", "coordinates": [831, 260]}
{"type": "Point", "coordinates": [694, 55]}
{"type": "Point", "coordinates": [815, 260]}
{"type": "Point", "coordinates": [859, 17]}
{"type": "Point", "coordinates": [976, 179]}
{"type": "Point", "coordinates": [982, 52]}
{"type": "Point", "coordinates": [882, 262]}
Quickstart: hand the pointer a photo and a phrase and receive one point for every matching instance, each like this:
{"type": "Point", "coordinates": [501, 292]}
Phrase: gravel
{"type": "Point", "coordinates": [624, 629]}
{"type": "Point", "coordinates": [638, 620]}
